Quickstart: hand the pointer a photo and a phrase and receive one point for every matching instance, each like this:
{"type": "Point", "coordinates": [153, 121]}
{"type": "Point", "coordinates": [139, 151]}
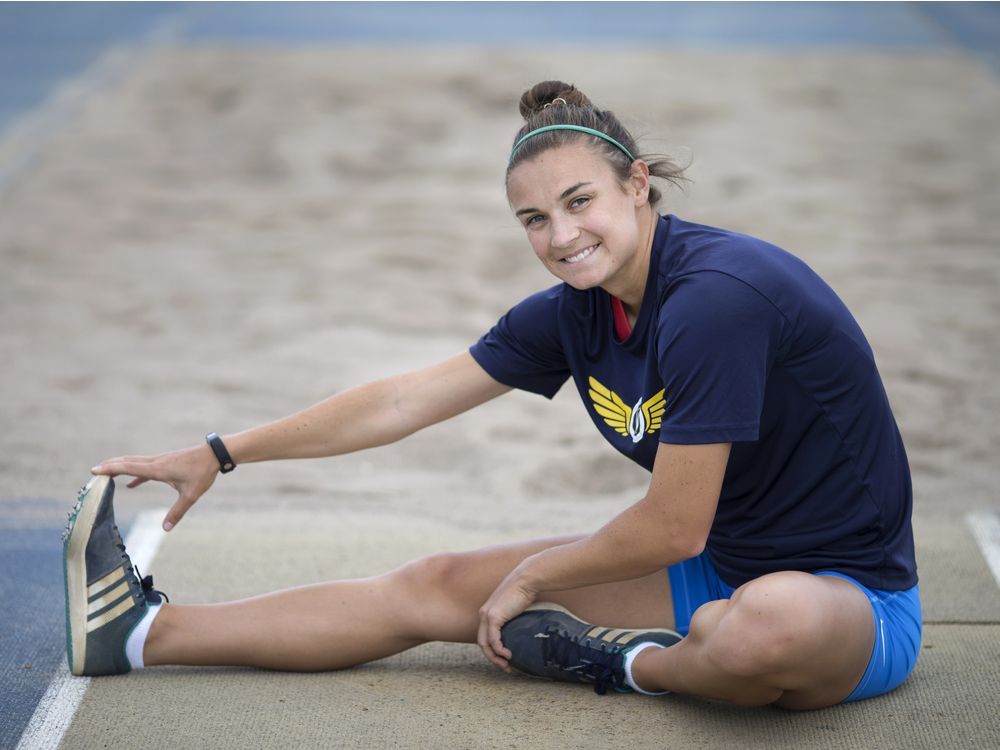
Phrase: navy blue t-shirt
{"type": "Point", "coordinates": [736, 341]}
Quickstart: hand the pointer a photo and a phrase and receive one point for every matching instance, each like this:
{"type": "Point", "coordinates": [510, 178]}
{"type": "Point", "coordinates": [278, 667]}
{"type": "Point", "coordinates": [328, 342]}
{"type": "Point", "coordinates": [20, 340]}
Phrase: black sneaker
{"type": "Point", "coordinates": [104, 597]}
{"type": "Point", "coordinates": [550, 641]}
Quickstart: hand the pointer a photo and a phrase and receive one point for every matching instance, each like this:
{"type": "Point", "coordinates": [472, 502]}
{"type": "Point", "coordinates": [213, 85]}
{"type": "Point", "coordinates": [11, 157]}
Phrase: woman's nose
{"type": "Point", "coordinates": [564, 233]}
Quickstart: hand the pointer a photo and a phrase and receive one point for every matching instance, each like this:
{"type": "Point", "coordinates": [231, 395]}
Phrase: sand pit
{"type": "Point", "coordinates": [226, 236]}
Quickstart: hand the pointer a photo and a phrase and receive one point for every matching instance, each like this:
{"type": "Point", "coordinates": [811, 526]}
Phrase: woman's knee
{"type": "Point", "coordinates": [428, 578]}
{"type": "Point", "coordinates": [766, 626]}
{"type": "Point", "coordinates": [434, 598]}
{"type": "Point", "coordinates": [467, 577]}
{"type": "Point", "coordinates": [440, 595]}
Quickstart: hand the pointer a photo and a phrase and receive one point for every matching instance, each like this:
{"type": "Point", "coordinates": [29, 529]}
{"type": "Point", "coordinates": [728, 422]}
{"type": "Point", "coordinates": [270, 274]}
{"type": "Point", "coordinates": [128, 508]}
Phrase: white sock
{"type": "Point", "coordinates": [629, 658]}
{"type": "Point", "coordinates": [137, 638]}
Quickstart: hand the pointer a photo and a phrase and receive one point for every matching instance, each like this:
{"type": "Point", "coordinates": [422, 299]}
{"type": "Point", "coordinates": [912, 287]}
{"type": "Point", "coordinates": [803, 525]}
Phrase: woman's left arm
{"type": "Point", "coordinates": [670, 524]}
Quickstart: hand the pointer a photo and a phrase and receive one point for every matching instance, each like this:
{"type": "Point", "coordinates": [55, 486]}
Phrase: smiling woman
{"type": "Point", "coordinates": [595, 233]}
{"type": "Point", "coordinates": [572, 174]}
{"type": "Point", "coordinates": [771, 545]}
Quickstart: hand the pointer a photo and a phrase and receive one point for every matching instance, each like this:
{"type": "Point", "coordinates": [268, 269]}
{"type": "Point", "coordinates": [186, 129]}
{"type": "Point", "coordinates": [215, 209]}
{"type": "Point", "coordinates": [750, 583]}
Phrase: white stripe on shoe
{"type": "Point", "coordinates": [628, 636]}
{"type": "Point", "coordinates": [112, 614]}
{"type": "Point", "coordinates": [95, 605]}
{"type": "Point", "coordinates": [612, 634]}
{"type": "Point", "coordinates": [106, 582]}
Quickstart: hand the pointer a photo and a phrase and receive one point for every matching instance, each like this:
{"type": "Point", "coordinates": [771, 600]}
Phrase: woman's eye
{"type": "Point", "coordinates": [533, 220]}
{"type": "Point", "coordinates": [579, 202]}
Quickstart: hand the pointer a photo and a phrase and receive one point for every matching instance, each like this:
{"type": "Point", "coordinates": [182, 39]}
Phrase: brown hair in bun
{"type": "Point", "coordinates": [559, 103]}
{"type": "Point", "coordinates": [535, 99]}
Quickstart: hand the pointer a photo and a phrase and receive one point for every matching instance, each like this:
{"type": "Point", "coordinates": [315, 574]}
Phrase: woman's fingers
{"type": "Point", "coordinates": [134, 466]}
{"type": "Point", "coordinates": [493, 622]}
{"type": "Point", "coordinates": [509, 600]}
{"type": "Point", "coordinates": [489, 641]}
{"type": "Point", "coordinates": [176, 513]}
{"type": "Point", "coordinates": [497, 643]}
{"type": "Point", "coordinates": [191, 472]}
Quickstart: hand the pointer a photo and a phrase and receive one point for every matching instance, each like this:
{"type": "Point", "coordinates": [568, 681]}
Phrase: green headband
{"type": "Point", "coordinates": [580, 128]}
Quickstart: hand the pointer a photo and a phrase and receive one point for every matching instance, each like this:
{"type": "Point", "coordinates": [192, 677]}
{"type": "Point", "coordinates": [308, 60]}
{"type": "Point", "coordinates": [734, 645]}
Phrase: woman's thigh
{"type": "Point", "coordinates": [446, 591]}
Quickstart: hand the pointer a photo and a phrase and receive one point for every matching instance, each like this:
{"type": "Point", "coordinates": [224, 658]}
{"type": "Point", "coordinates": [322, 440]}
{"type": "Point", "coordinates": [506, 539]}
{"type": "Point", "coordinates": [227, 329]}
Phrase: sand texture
{"type": "Point", "coordinates": [226, 236]}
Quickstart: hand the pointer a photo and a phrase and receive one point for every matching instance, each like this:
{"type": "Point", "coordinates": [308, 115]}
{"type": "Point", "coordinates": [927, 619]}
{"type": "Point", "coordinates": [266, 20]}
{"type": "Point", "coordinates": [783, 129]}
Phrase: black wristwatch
{"type": "Point", "coordinates": [226, 463]}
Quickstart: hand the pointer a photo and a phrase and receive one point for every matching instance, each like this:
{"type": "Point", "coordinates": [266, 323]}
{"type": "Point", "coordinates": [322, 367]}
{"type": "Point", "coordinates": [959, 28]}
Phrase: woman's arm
{"type": "Point", "coordinates": [374, 414]}
{"type": "Point", "coordinates": [670, 524]}
{"type": "Point", "coordinates": [370, 415]}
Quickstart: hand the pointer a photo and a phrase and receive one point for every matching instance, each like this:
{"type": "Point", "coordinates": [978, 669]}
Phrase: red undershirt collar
{"type": "Point", "coordinates": [622, 327]}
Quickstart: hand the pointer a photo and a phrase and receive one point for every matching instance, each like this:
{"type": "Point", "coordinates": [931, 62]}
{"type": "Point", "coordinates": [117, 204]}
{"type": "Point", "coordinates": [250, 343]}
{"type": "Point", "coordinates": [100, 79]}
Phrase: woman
{"type": "Point", "coordinates": [775, 534]}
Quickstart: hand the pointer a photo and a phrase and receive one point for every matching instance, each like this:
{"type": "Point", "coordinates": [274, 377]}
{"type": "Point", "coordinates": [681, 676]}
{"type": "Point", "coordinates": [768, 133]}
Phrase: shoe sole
{"type": "Point", "coordinates": [558, 608]}
{"type": "Point", "coordinates": [81, 524]}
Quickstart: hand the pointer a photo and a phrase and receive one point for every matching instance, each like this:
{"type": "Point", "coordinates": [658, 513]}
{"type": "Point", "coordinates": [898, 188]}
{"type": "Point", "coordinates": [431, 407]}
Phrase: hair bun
{"type": "Point", "coordinates": [541, 94]}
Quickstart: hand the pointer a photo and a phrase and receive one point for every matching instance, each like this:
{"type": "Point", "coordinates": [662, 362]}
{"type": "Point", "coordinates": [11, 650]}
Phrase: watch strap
{"type": "Point", "coordinates": [226, 463]}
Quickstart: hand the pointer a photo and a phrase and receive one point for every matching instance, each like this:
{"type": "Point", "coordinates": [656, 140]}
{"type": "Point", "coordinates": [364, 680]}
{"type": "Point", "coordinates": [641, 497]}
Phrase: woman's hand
{"type": "Point", "coordinates": [191, 472]}
{"type": "Point", "coordinates": [509, 600]}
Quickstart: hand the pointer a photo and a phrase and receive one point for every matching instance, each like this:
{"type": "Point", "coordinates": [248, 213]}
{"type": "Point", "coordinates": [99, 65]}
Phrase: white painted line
{"type": "Point", "coordinates": [54, 712]}
{"type": "Point", "coordinates": [985, 527]}
{"type": "Point", "coordinates": [144, 538]}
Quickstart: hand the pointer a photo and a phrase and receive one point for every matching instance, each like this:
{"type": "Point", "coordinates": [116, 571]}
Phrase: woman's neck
{"type": "Point", "coordinates": [632, 285]}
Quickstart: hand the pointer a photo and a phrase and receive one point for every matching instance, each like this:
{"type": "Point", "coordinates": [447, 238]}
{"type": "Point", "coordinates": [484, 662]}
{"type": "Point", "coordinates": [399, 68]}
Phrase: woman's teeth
{"type": "Point", "coordinates": [581, 255]}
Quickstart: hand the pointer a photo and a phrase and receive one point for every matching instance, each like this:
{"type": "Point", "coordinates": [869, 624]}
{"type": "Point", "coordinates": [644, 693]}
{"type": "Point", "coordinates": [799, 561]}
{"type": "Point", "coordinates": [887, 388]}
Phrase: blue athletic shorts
{"type": "Point", "coordinates": [897, 621]}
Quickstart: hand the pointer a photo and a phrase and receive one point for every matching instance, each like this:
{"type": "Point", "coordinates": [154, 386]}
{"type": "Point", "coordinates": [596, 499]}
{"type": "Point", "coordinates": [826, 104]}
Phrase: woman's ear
{"type": "Point", "coordinates": [639, 182]}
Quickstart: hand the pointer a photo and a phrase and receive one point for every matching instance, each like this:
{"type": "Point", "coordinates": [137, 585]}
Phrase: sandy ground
{"type": "Point", "coordinates": [226, 236]}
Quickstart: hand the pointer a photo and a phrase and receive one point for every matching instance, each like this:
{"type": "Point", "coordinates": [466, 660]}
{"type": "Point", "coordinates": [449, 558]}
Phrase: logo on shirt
{"type": "Point", "coordinates": [635, 422]}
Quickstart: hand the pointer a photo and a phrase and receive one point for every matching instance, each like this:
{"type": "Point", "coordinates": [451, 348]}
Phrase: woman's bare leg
{"type": "Point", "coordinates": [343, 623]}
{"type": "Point", "coordinates": [795, 639]}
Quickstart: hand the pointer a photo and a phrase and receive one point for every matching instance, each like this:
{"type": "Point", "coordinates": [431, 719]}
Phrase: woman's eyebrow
{"type": "Point", "coordinates": [565, 194]}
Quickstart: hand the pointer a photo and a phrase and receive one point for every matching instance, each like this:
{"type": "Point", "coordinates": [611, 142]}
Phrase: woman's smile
{"type": "Point", "coordinates": [582, 255]}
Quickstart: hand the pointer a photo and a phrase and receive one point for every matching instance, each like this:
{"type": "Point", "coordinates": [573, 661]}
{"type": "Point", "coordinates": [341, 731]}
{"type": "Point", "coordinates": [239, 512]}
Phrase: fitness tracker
{"type": "Point", "coordinates": [226, 463]}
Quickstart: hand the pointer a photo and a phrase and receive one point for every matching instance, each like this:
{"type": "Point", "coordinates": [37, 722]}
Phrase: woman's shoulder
{"type": "Point", "coordinates": [722, 274]}
{"type": "Point", "coordinates": [546, 311]}
{"type": "Point", "coordinates": [692, 247]}
{"type": "Point", "coordinates": [548, 299]}
{"type": "Point", "coordinates": [698, 253]}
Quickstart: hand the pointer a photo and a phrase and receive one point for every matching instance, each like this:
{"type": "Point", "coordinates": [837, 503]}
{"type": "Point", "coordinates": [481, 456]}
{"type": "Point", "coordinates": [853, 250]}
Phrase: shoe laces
{"type": "Point", "coordinates": [146, 591]}
{"type": "Point", "coordinates": [573, 654]}
{"type": "Point", "coordinates": [146, 582]}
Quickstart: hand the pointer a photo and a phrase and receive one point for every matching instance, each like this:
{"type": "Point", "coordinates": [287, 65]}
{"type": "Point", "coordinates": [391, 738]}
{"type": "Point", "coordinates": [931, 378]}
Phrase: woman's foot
{"type": "Point", "coordinates": [550, 641]}
{"type": "Point", "coordinates": [105, 600]}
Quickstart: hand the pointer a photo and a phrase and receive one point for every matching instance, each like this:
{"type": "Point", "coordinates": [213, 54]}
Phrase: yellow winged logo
{"type": "Point", "coordinates": [634, 422]}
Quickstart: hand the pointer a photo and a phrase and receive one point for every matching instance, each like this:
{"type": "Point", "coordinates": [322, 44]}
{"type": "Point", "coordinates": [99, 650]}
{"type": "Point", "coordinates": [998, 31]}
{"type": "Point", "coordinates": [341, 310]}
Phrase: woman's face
{"type": "Point", "coordinates": [581, 221]}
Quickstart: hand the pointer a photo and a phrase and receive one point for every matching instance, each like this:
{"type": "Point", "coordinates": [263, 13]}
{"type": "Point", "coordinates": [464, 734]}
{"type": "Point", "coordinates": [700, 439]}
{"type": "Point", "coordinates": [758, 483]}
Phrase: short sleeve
{"type": "Point", "coordinates": [716, 340]}
{"type": "Point", "coordinates": [524, 349]}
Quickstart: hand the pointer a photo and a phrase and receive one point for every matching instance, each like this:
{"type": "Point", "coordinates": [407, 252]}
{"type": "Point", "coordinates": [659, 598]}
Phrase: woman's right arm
{"type": "Point", "coordinates": [370, 415]}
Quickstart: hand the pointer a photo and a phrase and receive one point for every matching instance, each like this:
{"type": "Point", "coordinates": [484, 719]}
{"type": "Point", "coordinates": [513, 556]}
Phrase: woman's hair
{"type": "Point", "coordinates": [557, 103]}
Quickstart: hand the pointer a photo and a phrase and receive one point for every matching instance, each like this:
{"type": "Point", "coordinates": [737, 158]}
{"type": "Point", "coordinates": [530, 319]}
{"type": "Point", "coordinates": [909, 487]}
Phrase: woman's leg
{"type": "Point", "coordinates": [343, 623]}
{"type": "Point", "coordinates": [795, 639]}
